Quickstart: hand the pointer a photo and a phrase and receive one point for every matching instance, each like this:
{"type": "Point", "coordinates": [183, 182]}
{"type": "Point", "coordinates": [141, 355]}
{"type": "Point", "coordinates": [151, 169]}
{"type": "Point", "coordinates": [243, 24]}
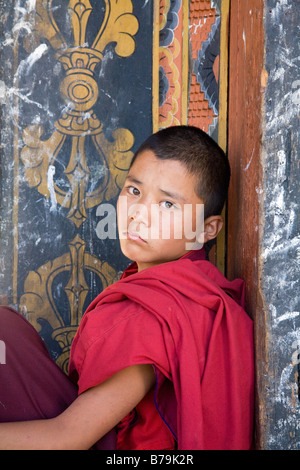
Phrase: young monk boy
{"type": "Point", "coordinates": [163, 358]}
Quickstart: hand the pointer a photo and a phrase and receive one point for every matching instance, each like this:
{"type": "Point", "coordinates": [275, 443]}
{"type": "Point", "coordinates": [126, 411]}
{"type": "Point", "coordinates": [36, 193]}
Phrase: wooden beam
{"type": "Point", "coordinates": [246, 70]}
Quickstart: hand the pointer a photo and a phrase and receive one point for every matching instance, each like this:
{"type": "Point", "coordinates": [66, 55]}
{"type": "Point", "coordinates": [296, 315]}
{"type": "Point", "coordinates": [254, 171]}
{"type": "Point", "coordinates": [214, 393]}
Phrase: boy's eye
{"type": "Point", "coordinates": [167, 205]}
{"type": "Point", "coordinates": [134, 191]}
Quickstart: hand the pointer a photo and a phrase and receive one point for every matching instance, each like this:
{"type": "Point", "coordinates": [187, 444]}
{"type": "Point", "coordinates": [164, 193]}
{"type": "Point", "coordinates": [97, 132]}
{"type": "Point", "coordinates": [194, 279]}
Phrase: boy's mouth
{"type": "Point", "coordinates": [135, 237]}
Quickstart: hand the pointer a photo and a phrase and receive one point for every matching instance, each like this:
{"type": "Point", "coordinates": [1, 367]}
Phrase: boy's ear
{"type": "Point", "coordinates": [212, 226]}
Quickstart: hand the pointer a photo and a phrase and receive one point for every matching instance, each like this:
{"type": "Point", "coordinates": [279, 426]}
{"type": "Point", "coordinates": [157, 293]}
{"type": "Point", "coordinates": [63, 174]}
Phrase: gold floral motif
{"type": "Point", "coordinates": [78, 120]}
{"type": "Point", "coordinates": [39, 299]}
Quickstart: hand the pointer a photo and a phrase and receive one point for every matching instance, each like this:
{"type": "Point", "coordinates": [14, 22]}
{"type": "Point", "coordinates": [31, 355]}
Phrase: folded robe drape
{"type": "Point", "coordinates": [188, 320]}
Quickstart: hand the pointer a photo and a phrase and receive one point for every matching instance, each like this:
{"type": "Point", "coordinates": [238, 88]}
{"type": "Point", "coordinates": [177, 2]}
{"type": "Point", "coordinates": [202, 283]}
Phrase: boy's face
{"type": "Point", "coordinates": [159, 212]}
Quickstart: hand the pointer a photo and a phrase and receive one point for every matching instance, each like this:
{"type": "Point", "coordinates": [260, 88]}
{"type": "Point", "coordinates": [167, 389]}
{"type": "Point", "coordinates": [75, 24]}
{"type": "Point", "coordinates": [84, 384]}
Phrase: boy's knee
{"type": "Point", "coordinates": [8, 317]}
{"type": "Point", "coordinates": [16, 330]}
{"type": "Point", "coordinates": [10, 323]}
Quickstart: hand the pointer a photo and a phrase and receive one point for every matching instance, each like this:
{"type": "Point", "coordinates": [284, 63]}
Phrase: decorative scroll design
{"type": "Point", "coordinates": [78, 120]}
{"type": "Point", "coordinates": [170, 63]}
{"type": "Point", "coordinates": [205, 22]}
{"type": "Point", "coordinates": [39, 298]}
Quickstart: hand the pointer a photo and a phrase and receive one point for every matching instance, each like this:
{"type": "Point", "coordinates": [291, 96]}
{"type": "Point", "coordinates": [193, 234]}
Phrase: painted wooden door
{"type": "Point", "coordinates": [83, 83]}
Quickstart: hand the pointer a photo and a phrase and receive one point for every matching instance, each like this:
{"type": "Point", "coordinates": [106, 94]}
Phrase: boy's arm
{"type": "Point", "coordinates": [87, 419]}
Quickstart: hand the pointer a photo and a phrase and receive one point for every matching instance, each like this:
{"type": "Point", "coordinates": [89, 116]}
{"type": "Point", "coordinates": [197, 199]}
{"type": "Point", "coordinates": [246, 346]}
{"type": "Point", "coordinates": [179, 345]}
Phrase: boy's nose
{"type": "Point", "coordinates": [140, 213]}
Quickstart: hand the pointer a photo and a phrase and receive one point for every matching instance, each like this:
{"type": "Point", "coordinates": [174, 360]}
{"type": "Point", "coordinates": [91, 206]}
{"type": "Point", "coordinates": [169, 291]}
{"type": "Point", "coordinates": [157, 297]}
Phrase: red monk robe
{"type": "Point", "coordinates": [186, 319]}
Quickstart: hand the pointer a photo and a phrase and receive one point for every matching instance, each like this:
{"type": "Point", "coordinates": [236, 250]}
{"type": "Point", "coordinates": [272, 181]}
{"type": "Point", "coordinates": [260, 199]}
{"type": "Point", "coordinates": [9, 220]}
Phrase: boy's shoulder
{"type": "Point", "coordinates": [192, 276]}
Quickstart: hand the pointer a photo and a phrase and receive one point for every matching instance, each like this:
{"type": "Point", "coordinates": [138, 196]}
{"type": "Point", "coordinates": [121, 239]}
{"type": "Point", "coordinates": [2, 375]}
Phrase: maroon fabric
{"type": "Point", "coordinates": [32, 386]}
{"type": "Point", "coordinates": [186, 319]}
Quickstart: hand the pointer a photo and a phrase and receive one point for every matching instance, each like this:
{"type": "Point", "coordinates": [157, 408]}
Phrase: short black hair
{"type": "Point", "coordinates": [202, 157]}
